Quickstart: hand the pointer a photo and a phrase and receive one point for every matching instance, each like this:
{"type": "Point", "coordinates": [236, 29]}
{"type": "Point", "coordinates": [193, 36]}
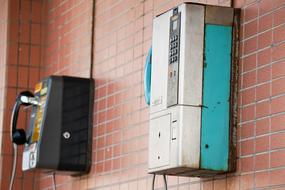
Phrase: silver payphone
{"type": "Point", "coordinates": [191, 87]}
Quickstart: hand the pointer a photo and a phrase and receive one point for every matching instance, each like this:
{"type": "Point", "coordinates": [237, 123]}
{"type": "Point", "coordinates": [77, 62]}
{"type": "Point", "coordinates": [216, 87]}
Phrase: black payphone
{"type": "Point", "coordinates": [59, 137]}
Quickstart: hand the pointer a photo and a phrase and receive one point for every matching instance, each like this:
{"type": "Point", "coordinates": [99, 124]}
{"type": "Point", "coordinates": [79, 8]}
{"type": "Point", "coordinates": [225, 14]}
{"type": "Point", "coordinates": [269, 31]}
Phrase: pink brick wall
{"type": "Point", "coordinates": [21, 70]}
{"type": "Point", "coordinates": [68, 37]}
{"type": "Point", "coordinates": [261, 131]}
{"type": "Point", "coordinates": [123, 34]}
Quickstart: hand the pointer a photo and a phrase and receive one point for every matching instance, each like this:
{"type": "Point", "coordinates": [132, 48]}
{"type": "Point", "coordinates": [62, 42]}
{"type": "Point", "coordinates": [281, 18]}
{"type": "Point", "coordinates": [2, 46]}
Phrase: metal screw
{"type": "Point", "coordinates": [66, 135]}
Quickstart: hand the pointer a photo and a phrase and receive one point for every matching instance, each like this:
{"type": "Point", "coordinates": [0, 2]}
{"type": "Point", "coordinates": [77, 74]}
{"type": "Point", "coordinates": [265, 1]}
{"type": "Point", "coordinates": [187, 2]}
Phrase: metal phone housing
{"type": "Point", "coordinates": [193, 91]}
{"type": "Point", "coordinates": [59, 137]}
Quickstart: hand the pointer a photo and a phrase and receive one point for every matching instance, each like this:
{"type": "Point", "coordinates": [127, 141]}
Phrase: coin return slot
{"type": "Point", "coordinates": [174, 130]}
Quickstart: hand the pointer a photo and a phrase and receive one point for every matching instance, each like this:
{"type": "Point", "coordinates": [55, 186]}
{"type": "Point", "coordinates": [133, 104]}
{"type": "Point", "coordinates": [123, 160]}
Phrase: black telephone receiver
{"type": "Point", "coordinates": [25, 98]}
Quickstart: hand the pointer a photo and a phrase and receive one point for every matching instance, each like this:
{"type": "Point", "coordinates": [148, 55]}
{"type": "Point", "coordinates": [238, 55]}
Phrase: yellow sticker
{"type": "Point", "coordinates": [38, 122]}
{"type": "Point", "coordinates": [38, 87]}
{"type": "Point", "coordinates": [36, 132]}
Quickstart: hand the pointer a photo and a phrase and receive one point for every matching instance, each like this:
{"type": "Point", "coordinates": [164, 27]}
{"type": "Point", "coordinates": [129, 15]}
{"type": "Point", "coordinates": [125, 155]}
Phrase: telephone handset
{"type": "Point", "coordinates": [25, 98]}
{"type": "Point", "coordinates": [147, 76]}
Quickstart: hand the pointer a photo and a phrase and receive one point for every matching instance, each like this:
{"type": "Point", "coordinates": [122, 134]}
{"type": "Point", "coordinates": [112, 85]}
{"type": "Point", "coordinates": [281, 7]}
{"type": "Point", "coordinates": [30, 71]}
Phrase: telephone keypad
{"type": "Point", "coordinates": [173, 49]}
{"type": "Point", "coordinates": [173, 59]}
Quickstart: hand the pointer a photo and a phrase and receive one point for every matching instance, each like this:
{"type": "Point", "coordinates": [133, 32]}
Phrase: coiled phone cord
{"type": "Point", "coordinates": [14, 154]}
{"type": "Point", "coordinates": [14, 167]}
{"type": "Point", "coordinates": [164, 180]}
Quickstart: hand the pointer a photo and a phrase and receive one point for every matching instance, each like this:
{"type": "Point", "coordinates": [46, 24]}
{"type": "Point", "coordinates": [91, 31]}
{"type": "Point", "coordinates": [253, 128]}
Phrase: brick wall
{"type": "Point", "coordinates": [68, 37]}
{"type": "Point", "coordinates": [261, 128]}
{"type": "Point", "coordinates": [123, 34]}
{"type": "Point", "coordinates": [23, 66]}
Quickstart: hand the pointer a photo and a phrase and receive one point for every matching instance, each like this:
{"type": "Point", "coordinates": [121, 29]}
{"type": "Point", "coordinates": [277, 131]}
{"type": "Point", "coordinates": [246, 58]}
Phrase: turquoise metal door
{"type": "Point", "coordinates": [216, 98]}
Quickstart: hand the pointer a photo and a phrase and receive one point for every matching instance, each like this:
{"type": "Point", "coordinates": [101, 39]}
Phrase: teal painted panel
{"type": "Point", "coordinates": [216, 95]}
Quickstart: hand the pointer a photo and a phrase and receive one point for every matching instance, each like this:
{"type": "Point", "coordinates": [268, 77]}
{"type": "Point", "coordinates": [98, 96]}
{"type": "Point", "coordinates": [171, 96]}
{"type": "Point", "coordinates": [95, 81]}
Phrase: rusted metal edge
{"type": "Point", "coordinates": [234, 92]}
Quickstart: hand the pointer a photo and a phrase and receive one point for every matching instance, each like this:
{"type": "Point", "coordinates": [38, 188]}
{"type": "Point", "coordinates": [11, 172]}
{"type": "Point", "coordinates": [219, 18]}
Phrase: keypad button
{"type": "Point", "coordinates": [175, 37]}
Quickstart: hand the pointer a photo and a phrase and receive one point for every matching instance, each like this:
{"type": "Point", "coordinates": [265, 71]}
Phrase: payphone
{"type": "Point", "coordinates": [191, 87]}
{"type": "Point", "coordinates": [59, 137]}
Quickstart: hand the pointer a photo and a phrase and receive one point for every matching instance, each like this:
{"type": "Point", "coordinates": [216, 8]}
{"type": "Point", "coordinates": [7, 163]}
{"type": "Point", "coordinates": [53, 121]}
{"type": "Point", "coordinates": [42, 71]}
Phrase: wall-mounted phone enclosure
{"type": "Point", "coordinates": [193, 91]}
{"type": "Point", "coordinates": [60, 133]}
